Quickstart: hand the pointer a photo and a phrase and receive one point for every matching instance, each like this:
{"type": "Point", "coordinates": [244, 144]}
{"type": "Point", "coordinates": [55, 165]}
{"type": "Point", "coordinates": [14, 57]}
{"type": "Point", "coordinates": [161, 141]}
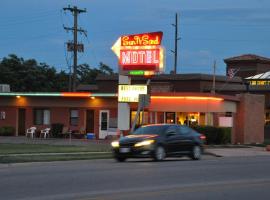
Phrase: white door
{"type": "Point", "coordinates": [103, 123]}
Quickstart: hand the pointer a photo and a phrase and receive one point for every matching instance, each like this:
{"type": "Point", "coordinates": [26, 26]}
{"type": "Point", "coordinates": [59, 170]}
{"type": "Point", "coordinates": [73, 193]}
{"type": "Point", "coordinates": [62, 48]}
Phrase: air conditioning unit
{"type": "Point", "coordinates": [4, 88]}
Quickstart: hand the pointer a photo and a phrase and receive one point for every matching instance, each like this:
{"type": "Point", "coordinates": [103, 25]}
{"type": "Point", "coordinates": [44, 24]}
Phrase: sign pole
{"type": "Point", "coordinates": [123, 119]}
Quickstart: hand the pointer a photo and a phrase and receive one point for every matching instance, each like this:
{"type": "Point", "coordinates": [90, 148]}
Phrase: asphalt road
{"type": "Point", "coordinates": [210, 178]}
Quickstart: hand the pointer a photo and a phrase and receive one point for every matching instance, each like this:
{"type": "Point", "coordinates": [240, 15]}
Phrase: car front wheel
{"type": "Point", "coordinates": [196, 153]}
{"type": "Point", "coordinates": [120, 159]}
{"type": "Point", "coordinates": [159, 153]}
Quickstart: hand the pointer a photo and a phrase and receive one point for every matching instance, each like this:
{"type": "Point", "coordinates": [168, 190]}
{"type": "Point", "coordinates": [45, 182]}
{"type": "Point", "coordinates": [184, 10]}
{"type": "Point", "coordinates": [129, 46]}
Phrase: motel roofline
{"type": "Point", "coordinates": [248, 58]}
{"type": "Point", "coordinates": [174, 77]}
{"type": "Point", "coordinates": [115, 95]}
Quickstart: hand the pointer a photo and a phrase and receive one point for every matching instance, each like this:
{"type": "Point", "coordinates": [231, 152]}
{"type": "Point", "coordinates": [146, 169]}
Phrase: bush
{"type": "Point", "coordinates": [7, 131]}
{"type": "Point", "coordinates": [56, 129]}
{"type": "Point", "coordinates": [215, 135]}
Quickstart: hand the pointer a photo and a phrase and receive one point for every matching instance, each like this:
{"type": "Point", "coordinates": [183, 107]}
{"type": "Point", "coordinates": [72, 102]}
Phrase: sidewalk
{"type": "Point", "coordinates": [238, 152]}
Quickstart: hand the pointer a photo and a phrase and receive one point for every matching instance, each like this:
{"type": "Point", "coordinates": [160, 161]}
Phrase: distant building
{"type": "Point", "coordinates": [247, 65]}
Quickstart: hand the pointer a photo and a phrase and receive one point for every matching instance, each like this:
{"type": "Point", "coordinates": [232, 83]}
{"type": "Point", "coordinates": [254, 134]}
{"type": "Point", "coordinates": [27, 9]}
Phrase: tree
{"type": "Point", "coordinates": [31, 76]}
{"type": "Point", "coordinates": [87, 74]}
{"type": "Point", "coordinates": [105, 69]}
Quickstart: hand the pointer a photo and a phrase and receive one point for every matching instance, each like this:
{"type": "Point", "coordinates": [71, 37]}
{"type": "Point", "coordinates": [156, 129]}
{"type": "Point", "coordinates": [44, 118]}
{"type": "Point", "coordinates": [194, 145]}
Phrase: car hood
{"type": "Point", "coordinates": [136, 138]}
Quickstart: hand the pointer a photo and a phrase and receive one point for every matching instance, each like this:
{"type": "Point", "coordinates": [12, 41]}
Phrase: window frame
{"type": "Point", "coordinates": [71, 119]}
{"type": "Point", "coordinates": [35, 120]}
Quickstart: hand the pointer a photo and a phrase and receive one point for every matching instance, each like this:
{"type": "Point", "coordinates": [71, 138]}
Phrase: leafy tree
{"type": "Point", "coordinates": [105, 69]}
{"type": "Point", "coordinates": [31, 76]}
{"type": "Point", "coordinates": [87, 74]}
{"type": "Point", "coordinates": [27, 75]}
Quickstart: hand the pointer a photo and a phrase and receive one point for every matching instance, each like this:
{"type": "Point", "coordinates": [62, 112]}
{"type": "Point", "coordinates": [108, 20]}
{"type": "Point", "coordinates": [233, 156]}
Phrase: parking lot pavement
{"type": "Point", "coordinates": [238, 152]}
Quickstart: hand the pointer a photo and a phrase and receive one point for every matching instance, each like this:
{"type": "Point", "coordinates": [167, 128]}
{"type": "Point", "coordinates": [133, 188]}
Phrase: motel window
{"type": "Point", "coordinates": [142, 118]}
{"type": "Point", "coordinates": [74, 117]}
{"type": "Point", "coordinates": [42, 116]}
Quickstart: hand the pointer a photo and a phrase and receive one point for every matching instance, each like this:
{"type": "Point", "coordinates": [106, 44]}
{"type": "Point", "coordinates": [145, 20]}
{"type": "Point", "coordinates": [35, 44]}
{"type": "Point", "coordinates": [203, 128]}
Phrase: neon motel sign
{"type": "Point", "coordinates": [140, 52]}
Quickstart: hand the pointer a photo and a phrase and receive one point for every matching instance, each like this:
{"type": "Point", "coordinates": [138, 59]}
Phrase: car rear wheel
{"type": "Point", "coordinates": [196, 153]}
{"type": "Point", "coordinates": [159, 153]}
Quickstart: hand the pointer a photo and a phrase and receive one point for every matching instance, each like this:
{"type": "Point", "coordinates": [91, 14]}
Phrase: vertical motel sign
{"type": "Point", "coordinates": [140, 53]}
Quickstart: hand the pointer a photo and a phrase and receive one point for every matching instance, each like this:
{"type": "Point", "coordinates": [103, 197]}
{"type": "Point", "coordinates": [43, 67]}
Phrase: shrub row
{"type": "Point", "coordinates": [215, 135]}
{"type": "Point", "coordinates": [7, 131]}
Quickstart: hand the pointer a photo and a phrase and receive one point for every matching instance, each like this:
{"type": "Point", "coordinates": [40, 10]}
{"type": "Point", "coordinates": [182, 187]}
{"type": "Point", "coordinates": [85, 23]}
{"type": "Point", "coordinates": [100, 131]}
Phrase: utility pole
{"type": "Point", "coordinates": [214, 78]}
{"type": "Point", "coordinates": [176, 38]}
{"type": "Point", "coordinates": [74, 46]}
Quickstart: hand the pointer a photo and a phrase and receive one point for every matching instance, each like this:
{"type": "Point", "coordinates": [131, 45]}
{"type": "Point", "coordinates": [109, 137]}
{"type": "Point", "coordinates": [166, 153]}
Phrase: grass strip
{"type": "Point", "coordinates": [52, 157]}
{"type": "Point", "coordinates": [46, 148]}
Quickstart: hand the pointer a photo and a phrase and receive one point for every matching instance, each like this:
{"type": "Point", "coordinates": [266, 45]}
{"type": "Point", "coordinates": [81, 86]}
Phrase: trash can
{"type": "Point", "coordinates": [90, 136]}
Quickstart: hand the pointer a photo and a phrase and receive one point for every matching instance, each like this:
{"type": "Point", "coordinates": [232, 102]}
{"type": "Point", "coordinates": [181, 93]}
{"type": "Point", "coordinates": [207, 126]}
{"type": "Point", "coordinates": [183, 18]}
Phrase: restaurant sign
{"type": "Point", "coordinates": [130, 93]}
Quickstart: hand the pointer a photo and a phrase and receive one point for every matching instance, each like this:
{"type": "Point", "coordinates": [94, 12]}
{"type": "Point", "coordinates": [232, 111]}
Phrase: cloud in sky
{"type": "Point", "coordinates": [209, 29]}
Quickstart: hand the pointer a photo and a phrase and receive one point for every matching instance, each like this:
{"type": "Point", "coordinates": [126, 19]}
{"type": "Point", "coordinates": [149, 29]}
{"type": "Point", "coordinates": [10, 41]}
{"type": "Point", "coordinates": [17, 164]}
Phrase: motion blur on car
{"type": "Point", "coordinates": [159, 141]}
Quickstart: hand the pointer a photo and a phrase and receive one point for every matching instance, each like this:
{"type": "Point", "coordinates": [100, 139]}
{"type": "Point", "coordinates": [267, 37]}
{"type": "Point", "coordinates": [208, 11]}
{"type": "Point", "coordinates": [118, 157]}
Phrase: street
{"type": "Point", "coordinates": [179, 178]}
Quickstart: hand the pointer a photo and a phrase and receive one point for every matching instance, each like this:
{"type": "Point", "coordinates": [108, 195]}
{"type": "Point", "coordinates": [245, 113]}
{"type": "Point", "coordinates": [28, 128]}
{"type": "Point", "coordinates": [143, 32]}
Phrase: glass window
{"type": "Point", "coordinates": [74, 117]}
{"type": "Point", "coordinates": [154, 129]}
{"type": "Point", "coordinates": [42, 116]}
{"type": "Point", "coordinates": [184, 130]}
{"type": "Point", "coordinates": [104, 121]}
{"type": "Point", "coordinates": [170, 117]}
{"type": "Point", "coordinates": [172, 129]}
{"type": "Point", "coordinates": [142, 118]}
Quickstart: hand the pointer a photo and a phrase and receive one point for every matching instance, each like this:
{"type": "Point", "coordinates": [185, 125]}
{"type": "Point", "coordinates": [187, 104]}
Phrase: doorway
{"type": "Point", "coordinates": [103, 123]}
{"type": "Point", "coordinates": [21, 121]}
{"type": "Point", "coordinates": [90, 121]}
{"type": "Point", "coordinates": [170, 117]}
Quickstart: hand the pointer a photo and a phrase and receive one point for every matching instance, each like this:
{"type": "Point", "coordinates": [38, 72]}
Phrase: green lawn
{"type": "Point", "coordinates": [44, 148]}
{"type": "Point", "coordinates": [17, 153]}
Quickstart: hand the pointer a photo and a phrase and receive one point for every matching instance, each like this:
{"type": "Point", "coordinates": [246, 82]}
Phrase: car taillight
{"type": "Point", "coordinates": [202, 137]}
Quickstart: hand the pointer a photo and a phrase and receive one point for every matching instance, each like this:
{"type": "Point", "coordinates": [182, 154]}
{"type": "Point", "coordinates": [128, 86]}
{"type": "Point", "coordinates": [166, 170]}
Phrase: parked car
{"type": "Point", "coordinates": [159, 141]}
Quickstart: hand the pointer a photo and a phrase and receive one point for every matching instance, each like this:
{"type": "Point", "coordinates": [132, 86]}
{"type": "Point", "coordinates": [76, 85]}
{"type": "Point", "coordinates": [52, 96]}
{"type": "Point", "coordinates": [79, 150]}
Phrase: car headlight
{"type": "Point", "coordinates": [115, 144]}
{"type": "Point", "coordinates": [144, 143]}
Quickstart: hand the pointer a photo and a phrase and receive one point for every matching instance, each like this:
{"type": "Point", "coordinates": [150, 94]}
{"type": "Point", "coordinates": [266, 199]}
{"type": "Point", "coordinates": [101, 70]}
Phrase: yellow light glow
{"type": "Point", "coordinates": [188, 98]}
{"type": "Point", "coordinates": [18, 96]}
{"type": "Point", "coordinates": [144, 143]}
{"type": "Point", "coordinates": [115, 144]}
{"type": "Point", "coordinates": [92, 97]}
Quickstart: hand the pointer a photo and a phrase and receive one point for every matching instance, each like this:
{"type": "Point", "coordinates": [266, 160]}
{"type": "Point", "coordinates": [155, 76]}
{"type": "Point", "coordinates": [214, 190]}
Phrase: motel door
{"type": "Point", "coordinates": [21, 121]}
{"type": "Point", "coordinates": [103, 123]}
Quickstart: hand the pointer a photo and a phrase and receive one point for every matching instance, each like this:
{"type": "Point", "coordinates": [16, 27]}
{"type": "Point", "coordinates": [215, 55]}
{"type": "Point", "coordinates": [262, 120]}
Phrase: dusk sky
{"type": "Point", "coordinates": [209, 30]}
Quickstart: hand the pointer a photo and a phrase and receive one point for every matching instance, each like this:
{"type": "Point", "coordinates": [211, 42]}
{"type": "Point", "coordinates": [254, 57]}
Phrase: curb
{"type": "Point", "coordinates": [212, 154]}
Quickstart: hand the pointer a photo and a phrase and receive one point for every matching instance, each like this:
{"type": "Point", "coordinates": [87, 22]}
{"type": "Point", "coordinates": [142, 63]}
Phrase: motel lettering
{"type": "Point", "coordinates": [139, 57]}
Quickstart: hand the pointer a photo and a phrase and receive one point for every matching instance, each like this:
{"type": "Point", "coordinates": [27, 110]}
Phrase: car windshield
{"type": "Point", "coordinates": [152, 130]}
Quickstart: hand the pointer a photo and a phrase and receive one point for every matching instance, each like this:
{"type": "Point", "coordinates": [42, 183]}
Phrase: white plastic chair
{"type": "Point", "coordinates": [45, 132]}
{"type": "Point", "coordinates": [31, 132]}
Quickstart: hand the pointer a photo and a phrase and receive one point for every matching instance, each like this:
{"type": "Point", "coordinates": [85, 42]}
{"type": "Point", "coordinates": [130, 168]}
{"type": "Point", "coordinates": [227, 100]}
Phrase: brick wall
{"type": "Point", "coordinates": [249, 124]}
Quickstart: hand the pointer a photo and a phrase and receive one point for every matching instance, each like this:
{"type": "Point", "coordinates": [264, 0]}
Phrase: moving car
{"type": "Point", "coordinates": [159, 141]}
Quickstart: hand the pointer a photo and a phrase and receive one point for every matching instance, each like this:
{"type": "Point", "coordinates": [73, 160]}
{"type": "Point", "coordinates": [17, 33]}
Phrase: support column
{"type": "Point", "coordinates": [209, 119]}
{"type": "Point", "coordinates": [123, 119]}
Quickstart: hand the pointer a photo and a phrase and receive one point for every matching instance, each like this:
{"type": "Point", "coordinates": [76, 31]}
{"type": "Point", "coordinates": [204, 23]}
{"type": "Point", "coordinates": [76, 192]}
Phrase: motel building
{"type": "Point", "coordinates": [97, 113]}
{"type": "Point", "coordinates": [105, 110]}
